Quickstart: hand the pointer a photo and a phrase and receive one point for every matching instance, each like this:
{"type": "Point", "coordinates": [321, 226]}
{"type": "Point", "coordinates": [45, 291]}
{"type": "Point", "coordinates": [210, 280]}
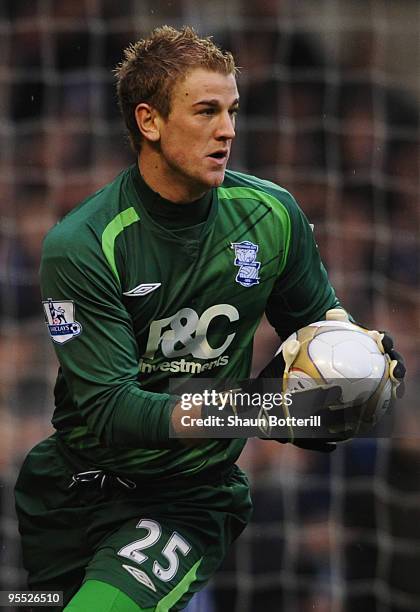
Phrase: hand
{"type": "Point", "coordinates": [309, 401]}
{"type": "Point", "coordinates": [312, 402]}
{"type": "Point", "coordinates": [397, 369]}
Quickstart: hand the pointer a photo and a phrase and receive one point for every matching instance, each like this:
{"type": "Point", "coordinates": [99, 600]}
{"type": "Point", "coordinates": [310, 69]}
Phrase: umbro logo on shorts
{"type": "Point", "coordinates": [142, 289]}
{"type": "Point", "coordinates": [140, 576]}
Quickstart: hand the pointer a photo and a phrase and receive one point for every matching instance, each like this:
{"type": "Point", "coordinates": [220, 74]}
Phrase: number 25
{"type": "Point", "coordinates": [176, 542]}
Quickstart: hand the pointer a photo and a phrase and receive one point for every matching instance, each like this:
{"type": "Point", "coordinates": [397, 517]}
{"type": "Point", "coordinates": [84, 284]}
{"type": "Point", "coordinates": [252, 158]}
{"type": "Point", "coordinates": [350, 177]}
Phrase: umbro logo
{"type": "Point", "coordinates": [140, 576]}
{"type": "Point", "coordinates": [142, 289]}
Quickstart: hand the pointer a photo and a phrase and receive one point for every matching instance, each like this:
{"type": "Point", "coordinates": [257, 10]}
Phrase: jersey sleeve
{"type": "Point", "coordinates": [302, 294]}
{"type": "Point", "coordinates": [100, 361]}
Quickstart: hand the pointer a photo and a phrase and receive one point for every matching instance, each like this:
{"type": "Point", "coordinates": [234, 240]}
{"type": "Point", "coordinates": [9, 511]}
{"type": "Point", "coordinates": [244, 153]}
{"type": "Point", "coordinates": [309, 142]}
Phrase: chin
{"type": "Point", "coordinates": [216, 179]}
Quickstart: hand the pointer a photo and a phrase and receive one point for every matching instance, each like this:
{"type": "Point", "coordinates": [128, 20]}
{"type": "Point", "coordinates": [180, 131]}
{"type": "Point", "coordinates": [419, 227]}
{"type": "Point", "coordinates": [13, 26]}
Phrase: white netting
{"type": "Point", "coordinates": [330, 97]}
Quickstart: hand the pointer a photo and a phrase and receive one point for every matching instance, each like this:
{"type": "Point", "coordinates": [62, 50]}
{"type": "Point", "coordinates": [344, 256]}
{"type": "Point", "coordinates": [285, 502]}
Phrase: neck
{"type": "Point", "coordinates": [165, 181]}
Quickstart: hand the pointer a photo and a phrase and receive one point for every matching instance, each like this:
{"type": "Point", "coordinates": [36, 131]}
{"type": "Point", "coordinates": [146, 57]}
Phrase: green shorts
{"type": "Point", "coordinates": [155, 543]}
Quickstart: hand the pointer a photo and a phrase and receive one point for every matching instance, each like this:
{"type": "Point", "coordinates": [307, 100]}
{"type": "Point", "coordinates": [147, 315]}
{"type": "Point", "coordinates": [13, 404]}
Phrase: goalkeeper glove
{"type": "Point", "coordinates": [304, 404]}
{"type": "Point", "coordinates": [316, 400]}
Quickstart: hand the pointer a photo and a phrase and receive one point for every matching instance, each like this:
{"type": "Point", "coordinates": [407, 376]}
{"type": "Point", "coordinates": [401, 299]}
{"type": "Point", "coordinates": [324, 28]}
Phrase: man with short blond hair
{"type": "Point", "coordinates": [153, 66]}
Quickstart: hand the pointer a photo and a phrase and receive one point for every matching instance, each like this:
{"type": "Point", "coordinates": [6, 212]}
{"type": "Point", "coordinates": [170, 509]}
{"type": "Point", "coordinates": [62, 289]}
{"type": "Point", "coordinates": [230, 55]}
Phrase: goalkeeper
{"type": "Point", "coordinates": [164, 273]}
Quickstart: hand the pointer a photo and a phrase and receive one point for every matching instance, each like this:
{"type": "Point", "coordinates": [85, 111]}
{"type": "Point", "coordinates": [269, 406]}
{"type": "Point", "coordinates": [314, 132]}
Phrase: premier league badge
{"type": "Point", "coordinates": [245, 258]}
{"type": "Point", "coordinates": [60, 320]}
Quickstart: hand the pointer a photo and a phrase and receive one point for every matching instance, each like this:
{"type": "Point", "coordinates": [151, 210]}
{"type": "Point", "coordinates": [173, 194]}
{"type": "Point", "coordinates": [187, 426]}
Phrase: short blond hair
{"type": "Point", "coordinates": [152, 67]}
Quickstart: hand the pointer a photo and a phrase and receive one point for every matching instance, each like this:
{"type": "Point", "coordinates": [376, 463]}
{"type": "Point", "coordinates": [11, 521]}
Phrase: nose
{"type": "Point", "coordinates": [226, 127]}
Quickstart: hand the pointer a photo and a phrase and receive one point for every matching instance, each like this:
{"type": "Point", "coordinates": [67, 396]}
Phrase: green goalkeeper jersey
{"type": "Point", "coordinates": [131, 303]}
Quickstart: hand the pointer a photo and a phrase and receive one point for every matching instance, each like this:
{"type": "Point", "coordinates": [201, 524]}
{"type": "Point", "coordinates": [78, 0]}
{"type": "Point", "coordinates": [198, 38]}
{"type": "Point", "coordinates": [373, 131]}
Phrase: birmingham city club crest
{"type": "Point", "coordinates": [245, 258]}
{"type": "Point", "coordinates": [60, 320]}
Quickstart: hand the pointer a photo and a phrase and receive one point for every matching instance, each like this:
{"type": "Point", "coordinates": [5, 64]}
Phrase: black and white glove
{"type": "Point", "coordinates": [305, 403]}
{"type": "Point", "coordinates": [246, 405]}
{"type": "Point", "coordinates": [397, 369]}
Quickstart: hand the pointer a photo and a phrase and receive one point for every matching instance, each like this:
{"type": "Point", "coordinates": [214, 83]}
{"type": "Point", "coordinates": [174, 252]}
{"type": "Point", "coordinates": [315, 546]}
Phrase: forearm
{"type": "Point", "coordinates": [131, 418]}
{"type": "Point", "coordinates": [136, 418]}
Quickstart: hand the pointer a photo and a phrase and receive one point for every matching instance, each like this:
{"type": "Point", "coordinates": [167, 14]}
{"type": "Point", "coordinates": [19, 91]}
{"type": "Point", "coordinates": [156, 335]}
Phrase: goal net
{"type": "Point", "coordinates": [330, 111]}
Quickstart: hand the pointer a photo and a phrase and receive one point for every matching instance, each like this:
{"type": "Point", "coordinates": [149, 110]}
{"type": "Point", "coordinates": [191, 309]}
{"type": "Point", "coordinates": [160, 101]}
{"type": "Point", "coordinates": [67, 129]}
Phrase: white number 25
{"type": "Point", "coordinates": [176, 542]}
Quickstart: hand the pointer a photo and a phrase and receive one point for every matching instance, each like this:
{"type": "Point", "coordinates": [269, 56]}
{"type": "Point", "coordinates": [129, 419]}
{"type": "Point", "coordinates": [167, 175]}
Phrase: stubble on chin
{"type": "Point", "coordinates": [219, 180]}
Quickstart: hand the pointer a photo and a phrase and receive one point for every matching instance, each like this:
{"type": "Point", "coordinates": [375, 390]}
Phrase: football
{"type": "Point", "coordinates": [344, 354]}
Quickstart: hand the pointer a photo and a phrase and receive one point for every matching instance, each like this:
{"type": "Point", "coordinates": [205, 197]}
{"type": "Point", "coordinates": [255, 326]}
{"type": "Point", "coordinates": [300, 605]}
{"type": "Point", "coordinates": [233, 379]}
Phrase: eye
{"type": "Point", "coordinates": [207, 112]}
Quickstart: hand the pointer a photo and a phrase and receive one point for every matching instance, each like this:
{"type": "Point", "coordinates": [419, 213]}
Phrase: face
{"type": "Point", "coordinates": [195, 139]}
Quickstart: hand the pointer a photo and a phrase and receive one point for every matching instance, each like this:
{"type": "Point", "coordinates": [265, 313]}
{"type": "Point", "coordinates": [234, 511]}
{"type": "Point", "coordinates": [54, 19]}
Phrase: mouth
{"type": "Point", "coordinates": [219, 156]}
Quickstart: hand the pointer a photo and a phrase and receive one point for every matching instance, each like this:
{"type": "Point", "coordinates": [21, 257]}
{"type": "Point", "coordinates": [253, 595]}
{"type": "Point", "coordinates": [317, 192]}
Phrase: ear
{"type": "Point", "coordinates": [148, 121]}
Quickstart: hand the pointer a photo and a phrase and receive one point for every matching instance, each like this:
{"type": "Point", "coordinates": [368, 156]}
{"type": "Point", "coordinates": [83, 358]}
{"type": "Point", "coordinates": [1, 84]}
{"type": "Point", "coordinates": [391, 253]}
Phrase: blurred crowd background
{"type": "Point", "coordinates": [329, 110]}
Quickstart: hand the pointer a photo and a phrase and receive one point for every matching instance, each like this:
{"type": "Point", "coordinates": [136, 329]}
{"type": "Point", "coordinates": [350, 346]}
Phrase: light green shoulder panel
{"type": "Point", "coordinates": [111, 232]}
